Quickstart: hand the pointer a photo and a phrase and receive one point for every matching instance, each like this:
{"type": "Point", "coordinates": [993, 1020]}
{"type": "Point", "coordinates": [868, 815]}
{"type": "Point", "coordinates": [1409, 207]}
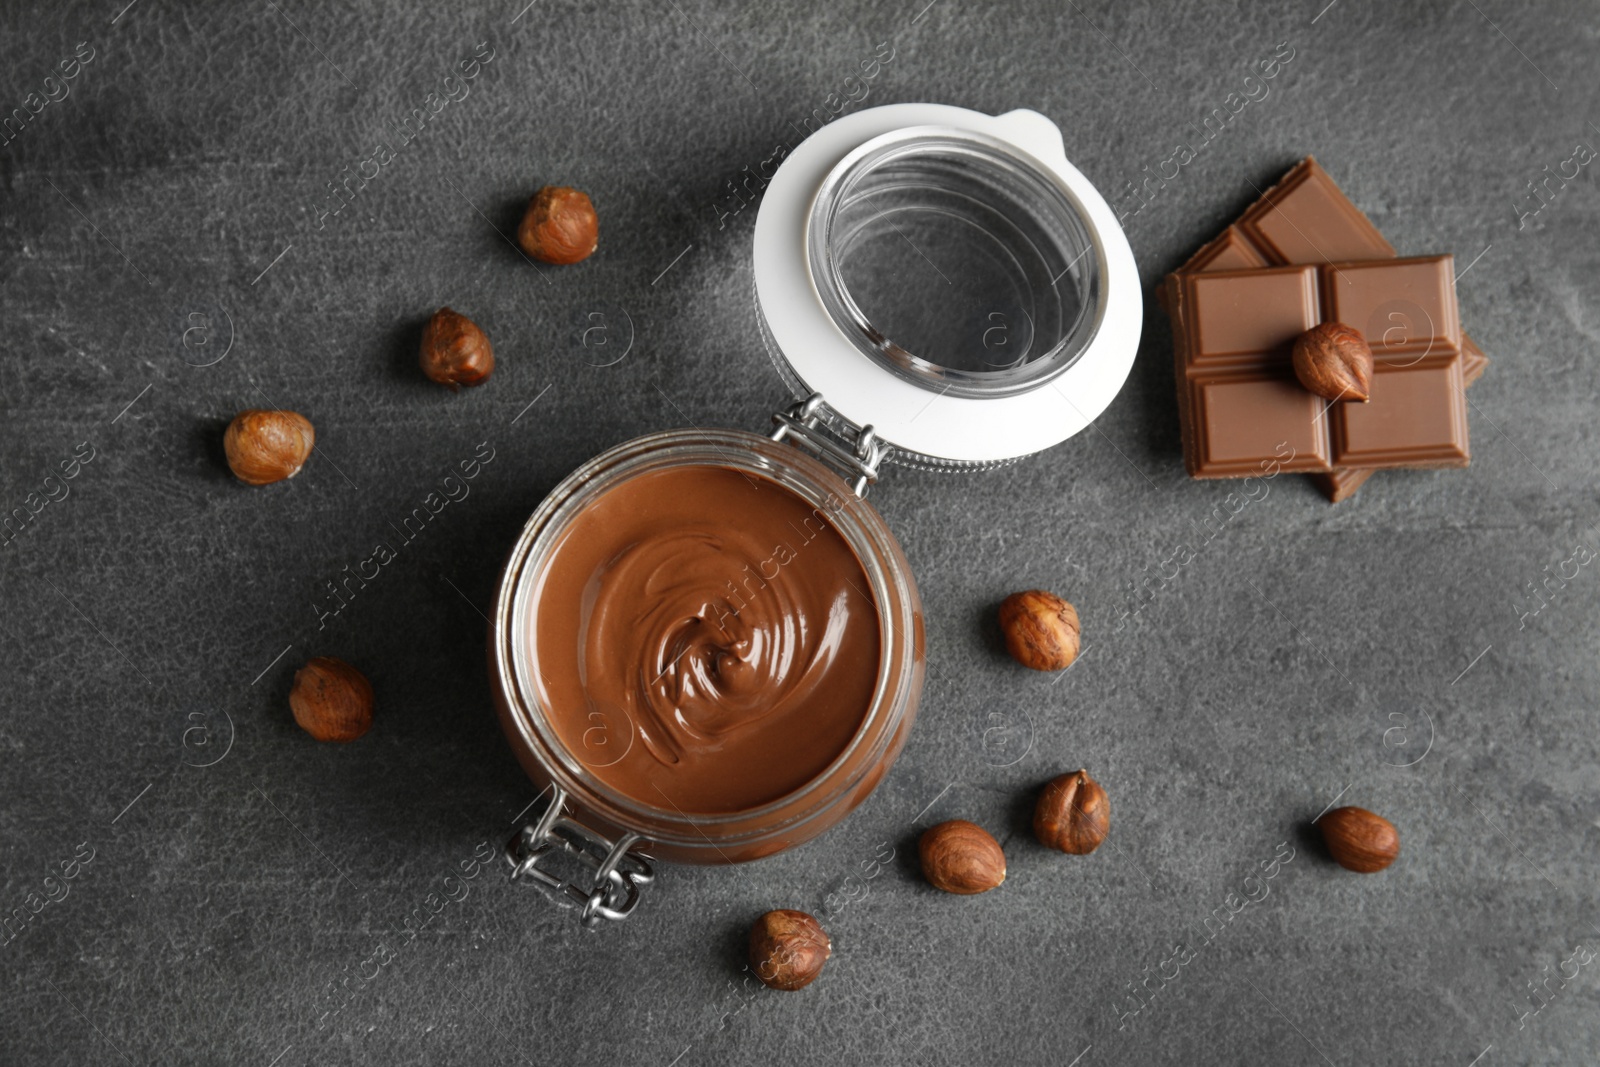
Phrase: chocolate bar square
{"type": "Point", "coordinates": [1307, 218]}
{"type": "Point", "coordinates": [1245, 424]}
{"type": "Point", "coordinates": [1400, 306]}
{"type": "Point", "coordinates": [1417, 417]}
{"type": "Point", "coordinates": [1245, 413]}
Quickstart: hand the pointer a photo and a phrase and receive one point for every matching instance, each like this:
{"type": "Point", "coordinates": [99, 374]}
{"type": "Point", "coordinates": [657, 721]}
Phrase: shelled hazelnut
{"type": "Point", "coordinates": [788, 949]}
{"type": "Point", "coordinates": [560, 226]}
{"type": "Point", "coordinates": [1334, 361]}
{"type": "Point", "coordinates": [1358, 840]}
{"type": "Point", "coordinates": [1041, 630]}
{"type": "Point", "coordinates": [455, 350]}
{"type": "Point", "coordinates": [331, 700]}
{"type": "Point", "coordinates": [267, 446]}
{"type": "Point", "coordinates": [961, 857]}
{"type": "Point", "coordinates": [1073, 814]}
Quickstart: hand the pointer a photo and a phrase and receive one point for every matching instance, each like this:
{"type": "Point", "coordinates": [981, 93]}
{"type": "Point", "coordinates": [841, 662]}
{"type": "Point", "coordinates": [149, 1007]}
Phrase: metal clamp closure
{"type": "Point", "coordinates": [613, 892]}
{"type": "Point", "coordinates": [857, 460]}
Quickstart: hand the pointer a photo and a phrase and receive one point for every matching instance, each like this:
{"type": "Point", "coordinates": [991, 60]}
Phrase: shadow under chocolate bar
{"type": "Point", "coordinates": [1305, 219]}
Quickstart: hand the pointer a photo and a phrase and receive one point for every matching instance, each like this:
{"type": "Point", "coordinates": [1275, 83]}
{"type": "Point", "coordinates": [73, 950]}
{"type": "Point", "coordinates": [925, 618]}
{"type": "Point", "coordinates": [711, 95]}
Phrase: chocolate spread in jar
{"type": "Point", "coordinates": [704, 639]}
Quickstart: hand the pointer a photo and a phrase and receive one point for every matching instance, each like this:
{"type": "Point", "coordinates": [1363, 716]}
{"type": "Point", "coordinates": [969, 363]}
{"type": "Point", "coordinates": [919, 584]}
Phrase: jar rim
{"type": "Point", "coordinates": [858, 523]}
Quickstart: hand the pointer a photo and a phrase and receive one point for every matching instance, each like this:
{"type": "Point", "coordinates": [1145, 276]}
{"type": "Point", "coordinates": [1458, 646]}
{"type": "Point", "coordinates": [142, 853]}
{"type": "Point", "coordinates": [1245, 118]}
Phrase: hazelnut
{"type": "Point", "coordinates": [455, 350]}
{"type": "Point", "coordinates": [560, 226]}
{"type": "Point", "coordinates": [960, 857]}
{"type": "Point", "coordinates": [788, 949]}
{"type": "Point", "coordinates": [1041, 630]}
{"type": "Point", "coordinates": [267, 446]}
{"type": "Point", "coordinates": [331, 700]}
{"type": "Point", "coordinates": [1072, 814]}
{"type": "Point", "coordinates": [1359, 840]}
{"type": "Point", "coordinates": [1334, 361]}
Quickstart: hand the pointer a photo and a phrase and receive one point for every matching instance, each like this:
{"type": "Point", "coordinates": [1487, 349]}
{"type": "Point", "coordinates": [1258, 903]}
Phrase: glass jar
{"type": "Point", "coordinates": [796, 817]}
{"type": "Point", "coordinates": [944, 291]}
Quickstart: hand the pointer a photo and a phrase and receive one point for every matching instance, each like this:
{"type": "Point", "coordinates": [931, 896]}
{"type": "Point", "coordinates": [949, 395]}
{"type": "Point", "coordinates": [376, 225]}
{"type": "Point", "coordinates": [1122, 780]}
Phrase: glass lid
{"type": "Point", "coordinates": [949, 260]}
{"type": "Point", "coordinates": [948, 278]}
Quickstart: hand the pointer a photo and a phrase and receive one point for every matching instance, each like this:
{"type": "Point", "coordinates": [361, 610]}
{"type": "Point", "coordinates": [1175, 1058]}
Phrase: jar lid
{"type": "Point", "coordinates": [948, 278]}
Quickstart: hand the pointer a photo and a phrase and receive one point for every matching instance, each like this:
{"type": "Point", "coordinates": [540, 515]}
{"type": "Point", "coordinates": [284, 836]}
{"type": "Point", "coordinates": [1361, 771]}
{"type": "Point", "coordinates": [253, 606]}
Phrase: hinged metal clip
{"type": "Point", "coordinates": [857, 460]}
{"type": "Point", "coordinates": [613, 891]}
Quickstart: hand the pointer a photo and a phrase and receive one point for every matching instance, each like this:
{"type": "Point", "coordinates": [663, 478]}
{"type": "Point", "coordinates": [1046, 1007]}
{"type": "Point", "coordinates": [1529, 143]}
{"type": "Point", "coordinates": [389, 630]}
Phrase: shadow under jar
{"type": "Point", "coordinates": [706, 645]}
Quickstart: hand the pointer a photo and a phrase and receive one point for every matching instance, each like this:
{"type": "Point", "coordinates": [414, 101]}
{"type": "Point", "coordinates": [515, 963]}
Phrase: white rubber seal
{"type": "Point", "coordinates": [905, 414]}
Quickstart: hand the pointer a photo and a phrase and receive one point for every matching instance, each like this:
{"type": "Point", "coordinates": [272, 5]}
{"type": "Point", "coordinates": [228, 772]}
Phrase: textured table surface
{"type": "Point", "coordinates": [239, 894]}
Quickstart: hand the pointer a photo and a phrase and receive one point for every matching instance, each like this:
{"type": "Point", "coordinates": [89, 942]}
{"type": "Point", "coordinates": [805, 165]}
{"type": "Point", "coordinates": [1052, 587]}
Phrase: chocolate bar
{"type": "Point", "coordinates": [1307, 219]}
{"type": "Point", "coordinates": [1243, 409]}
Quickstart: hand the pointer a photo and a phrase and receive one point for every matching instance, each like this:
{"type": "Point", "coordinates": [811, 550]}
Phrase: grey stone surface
{"type": "Point", "coordinates": [155, 615]}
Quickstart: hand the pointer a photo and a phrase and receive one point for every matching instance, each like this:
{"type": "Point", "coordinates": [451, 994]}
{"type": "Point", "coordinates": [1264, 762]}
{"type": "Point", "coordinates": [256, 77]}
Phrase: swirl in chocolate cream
{"type": "Point", "coordinates": [670, 623]}
{"type": "Point", "coordinates": [705, 636]}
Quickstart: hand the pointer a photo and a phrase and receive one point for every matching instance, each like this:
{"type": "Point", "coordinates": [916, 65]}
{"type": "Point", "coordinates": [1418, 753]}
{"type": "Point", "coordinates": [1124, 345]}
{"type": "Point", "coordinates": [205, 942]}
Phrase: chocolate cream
{"type": "Point", "coordinates": [704, 639]}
